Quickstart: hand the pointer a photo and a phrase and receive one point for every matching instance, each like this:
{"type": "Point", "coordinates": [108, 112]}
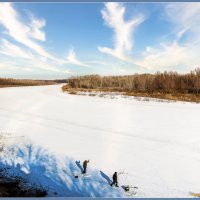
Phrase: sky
{"type": "Point", "coordinates": [59, 40]}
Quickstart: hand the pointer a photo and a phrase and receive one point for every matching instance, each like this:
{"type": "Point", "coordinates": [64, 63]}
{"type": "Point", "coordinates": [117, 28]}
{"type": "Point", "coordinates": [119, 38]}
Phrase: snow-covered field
{"type": "Point", "coordinates": [155, 144]}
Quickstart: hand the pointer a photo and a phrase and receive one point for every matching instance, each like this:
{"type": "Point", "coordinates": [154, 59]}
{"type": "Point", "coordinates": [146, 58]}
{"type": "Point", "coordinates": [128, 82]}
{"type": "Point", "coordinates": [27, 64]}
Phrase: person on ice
{"type": "Point", "coordinates": [85, 166]}
{"type": "Point", "coordinates": [115, 182]}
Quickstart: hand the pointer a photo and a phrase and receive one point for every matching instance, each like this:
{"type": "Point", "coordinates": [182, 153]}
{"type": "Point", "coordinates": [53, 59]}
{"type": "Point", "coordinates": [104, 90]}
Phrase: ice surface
{"type": "Point", "coordinates": [154, 144]}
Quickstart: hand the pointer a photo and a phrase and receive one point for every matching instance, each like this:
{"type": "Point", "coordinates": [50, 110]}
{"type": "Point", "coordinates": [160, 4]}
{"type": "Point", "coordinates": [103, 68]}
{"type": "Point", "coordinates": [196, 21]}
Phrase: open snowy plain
{"type": "Point", "coordinates": [155, 145]}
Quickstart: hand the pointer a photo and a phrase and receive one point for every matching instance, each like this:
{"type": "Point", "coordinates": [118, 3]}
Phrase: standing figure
{"type": "Point", "coordinates": [115, 182]}
{"type": "Point", "coordinates": [85, 166]}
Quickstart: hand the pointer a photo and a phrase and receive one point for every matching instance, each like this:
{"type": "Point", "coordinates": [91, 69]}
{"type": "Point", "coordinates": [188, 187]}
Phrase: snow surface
{"type": "Point", "coordinates": [154, 144]}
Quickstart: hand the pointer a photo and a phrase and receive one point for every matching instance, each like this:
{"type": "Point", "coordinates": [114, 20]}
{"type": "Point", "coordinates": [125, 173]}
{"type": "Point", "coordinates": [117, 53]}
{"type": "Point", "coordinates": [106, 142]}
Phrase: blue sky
{"type": "Point", "coordinates": [57, 40]}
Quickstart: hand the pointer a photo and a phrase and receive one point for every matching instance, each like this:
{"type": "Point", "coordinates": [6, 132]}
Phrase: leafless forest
{"type": "Point", "coordinates": [170, 85]}
{"type": "Point", "coordinates": [9, 82]}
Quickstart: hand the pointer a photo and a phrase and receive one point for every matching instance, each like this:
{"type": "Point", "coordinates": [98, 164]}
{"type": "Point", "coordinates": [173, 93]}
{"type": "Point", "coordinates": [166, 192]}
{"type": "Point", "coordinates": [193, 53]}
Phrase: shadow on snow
{"type": "Point", "coordinates": [54, 174]}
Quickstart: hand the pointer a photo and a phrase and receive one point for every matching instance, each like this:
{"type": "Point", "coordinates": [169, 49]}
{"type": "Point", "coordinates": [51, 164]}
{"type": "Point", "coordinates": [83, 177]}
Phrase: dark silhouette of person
{"type": "Point", "coordinates": [85, 163]}
{"type": "Point", "coordinates": [115, 182]}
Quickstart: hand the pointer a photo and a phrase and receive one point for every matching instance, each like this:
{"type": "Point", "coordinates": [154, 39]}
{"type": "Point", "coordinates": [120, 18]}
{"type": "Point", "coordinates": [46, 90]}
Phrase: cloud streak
{"type": "Point", "coordinates": [186, 19]}
{"type": "Point", "coordinates": [72, 59]}
{"type": "Point", "coordinates": [26, 46]}
{"type": "Point", "coordinates": [9, 49]}
{"type": "Point", "coordinates": [164, 57]}
{"type": "Point", "coordinates": [113, 14]}
{"type": "Point", "coordinates": [21, 32]}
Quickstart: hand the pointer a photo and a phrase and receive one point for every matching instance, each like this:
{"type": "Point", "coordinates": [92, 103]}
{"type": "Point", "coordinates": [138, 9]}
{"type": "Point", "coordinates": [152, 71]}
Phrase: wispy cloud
{"type": "Point", "coordinates": [24, 39]}
{"type": "Point", "coordinates": [9, 49]}
{"type": "Point", "coordinates": [9, 67]}
{"type": "Point", "coordinates": [72, 59]}
{"type": "Point", "coordinates": [41, 64]}
{"type": "Point", "coordinates": [26, 36]}
{"type": "Point", "coordinates": [36, 26]}
{"type": "Point", "coordinates": [186, 19]}
{"type": "Point", "coordinates": [165, 56]}
{"type": "Point", "coordinates": [114, 16]}
{"type": "Point", "coordinates": [21, 32]}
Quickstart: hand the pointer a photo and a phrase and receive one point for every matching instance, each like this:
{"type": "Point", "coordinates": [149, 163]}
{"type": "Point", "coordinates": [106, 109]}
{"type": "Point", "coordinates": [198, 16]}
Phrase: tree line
{"type": "Point", "coordinates": [9, 82]}
{"type": "Point", "coordinates": [166, 82]}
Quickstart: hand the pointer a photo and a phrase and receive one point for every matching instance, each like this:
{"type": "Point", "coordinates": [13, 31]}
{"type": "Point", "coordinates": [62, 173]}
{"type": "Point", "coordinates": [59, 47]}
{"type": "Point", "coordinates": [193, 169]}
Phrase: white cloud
{"type": "Point", "coordinates": [34, 69]}
{"type": "Point", "coordinates": [9, 67]}
{"type": "Point", "coordinates": [29, 53]}
{"type": "Point", "coordinates": [46, 66]}
{"type": "Point", "coordinates": [26, 58]}
{"type": "Point", "coordinates": [9, 49]}
{"type": "Point", "coordinates": [67, 72]}
{"type": "Point", "coordinates": [22, 32]}
{"type": "Point", "coordinates": [173, 55]}
{"type": "Point", "coordinates": [72, 59]}
{"type": "Point", "coordinates": [36, 32]}
{"type": "Point", "coordinates": [186, 16]}
{"type": "Point", "coordinates": [164, 56]}
{"type": "Point", "coordinates": [27, 34]}
{"type": "Point", "coordinates": [186, 19]}
{"type": "Point", "coordinates": [113, 15]}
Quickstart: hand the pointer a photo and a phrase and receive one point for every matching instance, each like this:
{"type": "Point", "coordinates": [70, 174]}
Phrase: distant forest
{"type": "Point", "coordinates": [10, 82]}
{"type": "Point", "coordinates": [155, 85]}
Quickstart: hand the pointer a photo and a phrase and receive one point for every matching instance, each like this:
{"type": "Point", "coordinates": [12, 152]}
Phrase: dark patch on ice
{"type": "Point", "coordinates": [16, 186]}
